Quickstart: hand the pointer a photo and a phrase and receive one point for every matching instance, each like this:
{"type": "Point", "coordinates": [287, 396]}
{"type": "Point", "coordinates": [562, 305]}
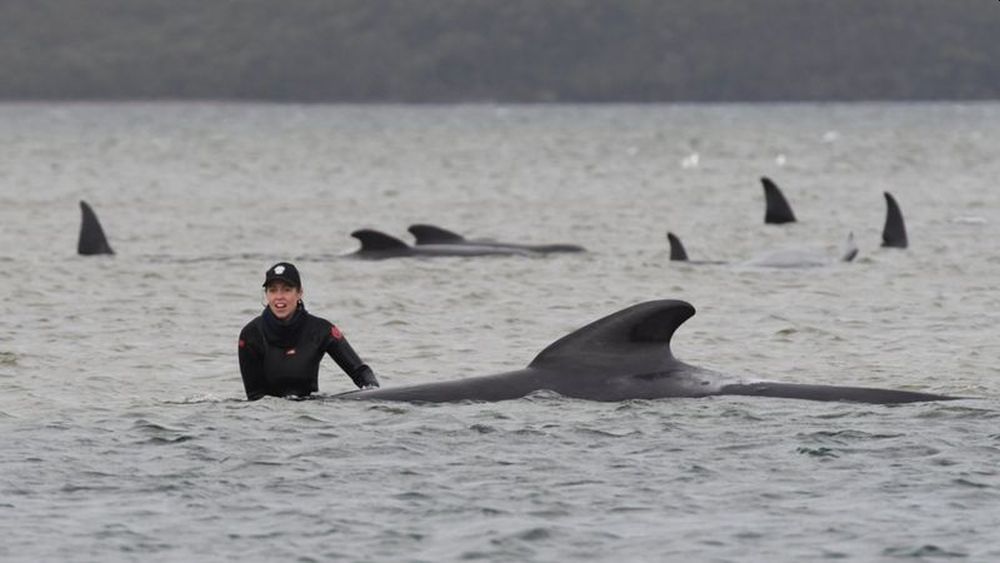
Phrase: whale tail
{"type": "Point", "coordinates": [894, 232]}
{"type": "Point", "coordinates": [777, 211]}
{"type": "Point", "coordinates": [871, 395]}
{"type": "Point", "coordinates": [677, 252]}
{"type": "Point", "coordinates": [432, 234]}
{"type": "Point", "coordinates": [92, 240]}
{"type": "Point", "coordinates": [637, 337]}
{"type": "Point", "coordinates": [377, 241]}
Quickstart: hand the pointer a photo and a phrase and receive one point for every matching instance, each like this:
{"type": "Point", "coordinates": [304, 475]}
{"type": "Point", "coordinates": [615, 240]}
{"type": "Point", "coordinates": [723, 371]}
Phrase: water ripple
{"type": "Point", "coordinates": [124, 420]}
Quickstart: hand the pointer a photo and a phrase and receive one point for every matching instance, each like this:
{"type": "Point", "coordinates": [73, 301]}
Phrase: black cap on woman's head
{"type": "Point", "coordinates": [285, 272]}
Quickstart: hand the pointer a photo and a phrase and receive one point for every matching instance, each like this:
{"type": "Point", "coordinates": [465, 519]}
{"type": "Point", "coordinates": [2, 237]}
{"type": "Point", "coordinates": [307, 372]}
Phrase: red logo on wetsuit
{"type": "Point", "coordinates": [243, 343]}
{"type": "Point", "coordinates": [335, 332]}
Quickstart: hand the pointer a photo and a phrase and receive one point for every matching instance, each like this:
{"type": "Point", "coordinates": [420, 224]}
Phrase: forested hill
{"type": "Point", "coordinates": [501, 50]}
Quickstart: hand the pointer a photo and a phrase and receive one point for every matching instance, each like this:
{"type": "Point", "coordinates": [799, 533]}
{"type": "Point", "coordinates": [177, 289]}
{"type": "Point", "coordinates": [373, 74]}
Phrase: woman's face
{"type": "Point", "coordinates": [282, 299]}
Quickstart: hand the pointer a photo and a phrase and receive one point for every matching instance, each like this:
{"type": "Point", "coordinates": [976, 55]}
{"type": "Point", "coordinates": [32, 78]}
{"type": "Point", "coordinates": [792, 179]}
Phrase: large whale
{"type": "Point", "coordinates": [776, 210]}
{"type": "Point", "coordinates": [376, 245]}
{"type": "Point", "coordinates": [92, 240]}
{"type": "Point", "coordinates": [432, 234]}
{"type": "Point", "coordinates": [623, 356]}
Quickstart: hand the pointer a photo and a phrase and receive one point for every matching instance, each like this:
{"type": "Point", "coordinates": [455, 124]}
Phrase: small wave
{"type": "Point", "coordinates": [201, 400]}
{"type": "Point", "coordinates": [390, 408]}
{"type": "Point", "coordinates": [922, 551]}
{"type": "Point", "coordinates": [627, 509]}
{"type": "Point", "coordinates": [159, 434]}
{"type": "Point", "coordinates": [967, 483]}
{"type": "Point", "coordinates": [738, 413]}
{"type": "Point", "coordinates": [608, 433]}
{"type": "Point", "coordinates": [846, 436]}
{"type": "Point", "coordinates": [823, 452]}
{"type": "Point", "coordinates": [164, 440]}
{"type": "Point", "coordinates": [970, 220]}
{"type": "Point", "coordinates": [579, 483]}
{"type": "Point", "coordinates": [146, 425]}
{"type": "Point", "coordinates": [413, 496]}
{"type": "Point", "coordinates": [529, 432]}
{"type": "Point", "coordinates": [311, 418]}
{"type": "Point", "coordinates": [959, 411]}
{"type": "Point", "coordinates": [544, 395]}
{"type": "Point", "coordinates": [71, 488]}
{"type": "Point", "coordinates": [534, 534]}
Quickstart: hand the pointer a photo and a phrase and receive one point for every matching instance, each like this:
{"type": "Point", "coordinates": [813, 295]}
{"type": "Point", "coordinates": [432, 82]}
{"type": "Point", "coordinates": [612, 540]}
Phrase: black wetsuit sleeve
{"type": "Point", "coordinates": [251, 354]}
{"type": "Point", "coordinates": [345, 356]}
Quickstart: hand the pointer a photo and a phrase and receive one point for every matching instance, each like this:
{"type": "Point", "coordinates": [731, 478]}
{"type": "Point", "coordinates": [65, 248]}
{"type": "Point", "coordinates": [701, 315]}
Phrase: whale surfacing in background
{"type": "Point", "coordinates": [623, 356]}
{"type": "Point", "coordinates": [432, 234]}
{"type": "Point", "coordinates": [376, 245]}
{"type": "Point", "coordinates": [679, 254]}
{"type": "Point", "coordinates": [779, 258]}
{"type": "Point", "coordinates": [92, 240]}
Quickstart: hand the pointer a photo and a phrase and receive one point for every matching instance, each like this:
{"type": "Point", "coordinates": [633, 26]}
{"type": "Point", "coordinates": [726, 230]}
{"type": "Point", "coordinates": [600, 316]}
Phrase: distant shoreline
{"type": "Point", "coordinates": [515, 51]}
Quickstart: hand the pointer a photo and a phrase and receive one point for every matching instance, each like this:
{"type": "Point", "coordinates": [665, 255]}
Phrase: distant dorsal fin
{"type": "Point", "coordinates": [639, 335]}
{"type": "Point", "coordinates": [432, 234]}
{"type": "Point", "coordinates": [677, 252]}
{"type": "Point", "coordinates": [894, 232]}
{"type": "Point", "coordinates": [92, 239]}
{"type": "Point", "coordinates": [372, 240]}
{"type": "Point", "coordinates": [850, 250]}
{"type": "Point", "coordinates": [778, 211]}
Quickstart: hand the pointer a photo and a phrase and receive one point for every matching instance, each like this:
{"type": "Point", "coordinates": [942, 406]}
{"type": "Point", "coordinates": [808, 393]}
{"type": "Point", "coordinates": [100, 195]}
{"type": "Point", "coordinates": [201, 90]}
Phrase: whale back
{"type": "Point", "coordinates": [432, 234]}
{"type": "Point", "coordinates": [377, 241]}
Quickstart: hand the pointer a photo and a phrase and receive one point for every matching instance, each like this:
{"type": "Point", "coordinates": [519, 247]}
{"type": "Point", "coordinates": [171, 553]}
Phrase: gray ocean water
{"type": "Point", "coordinates": [126, 436]}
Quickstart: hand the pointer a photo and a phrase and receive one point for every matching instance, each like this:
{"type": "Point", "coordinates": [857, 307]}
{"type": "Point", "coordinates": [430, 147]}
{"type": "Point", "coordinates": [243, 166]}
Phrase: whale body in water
{"type": "Point", "coordinates": [376, 245]}
{"type": "Point", "coordinates": [625, 355]}
{"type": "Point", "coordinates": [432, 234]}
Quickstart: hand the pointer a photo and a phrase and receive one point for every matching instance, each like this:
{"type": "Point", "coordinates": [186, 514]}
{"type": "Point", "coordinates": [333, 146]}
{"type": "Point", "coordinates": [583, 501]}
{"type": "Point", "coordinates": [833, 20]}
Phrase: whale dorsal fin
{"type": "Point", "coordinates": [375, 241]}
{"type": "Point", "coordinates": [432, 234]}
{"type": "Point", "coordinates": [850, 249]}
{"type": "Point", "coordinates": [637, 336]}
{"type": "Point", "coordinates": [894, 232]}
{"type": "Point", "coordinates": [92, 239]}
{"type": "Point", "coordinates": [677, 252]}
{"type": "Point", "coordinates": [778, 211]}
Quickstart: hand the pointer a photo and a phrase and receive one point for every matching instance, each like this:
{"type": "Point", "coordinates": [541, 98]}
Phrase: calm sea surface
{"type": "Point", "coordinates": [126, 436]}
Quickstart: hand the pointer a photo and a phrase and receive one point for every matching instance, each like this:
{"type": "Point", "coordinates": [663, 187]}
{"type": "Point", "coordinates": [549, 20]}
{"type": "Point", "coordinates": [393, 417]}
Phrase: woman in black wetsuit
{"type": "Point", "coordinates": [280, 350]}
